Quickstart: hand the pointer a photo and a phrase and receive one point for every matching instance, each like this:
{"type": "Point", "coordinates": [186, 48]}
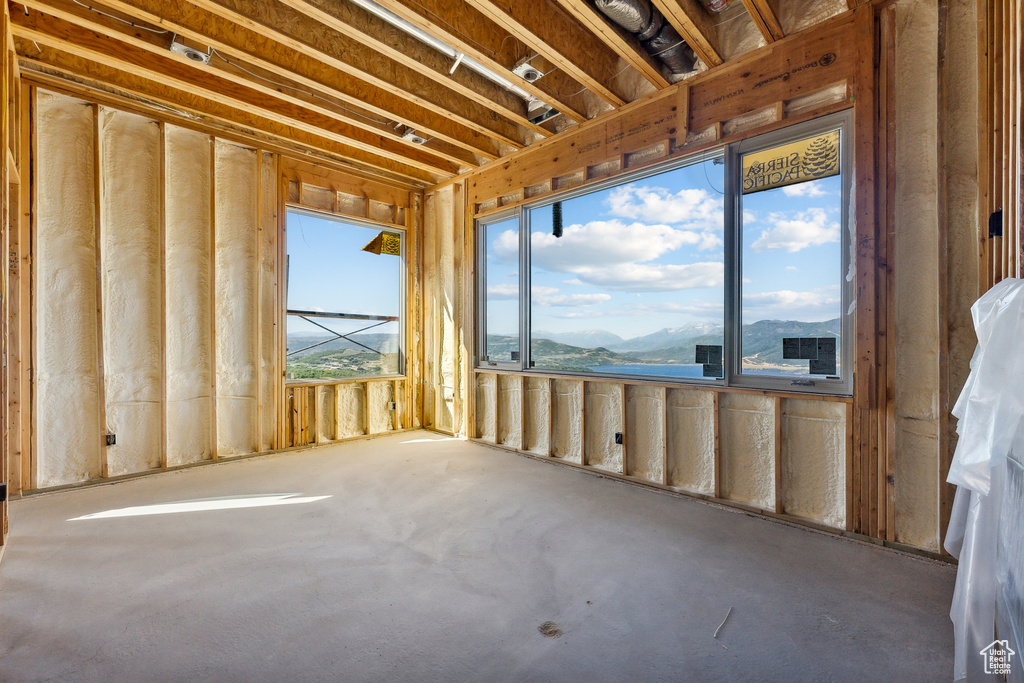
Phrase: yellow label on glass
{"type": "Point", "coordinates": [797, 162]}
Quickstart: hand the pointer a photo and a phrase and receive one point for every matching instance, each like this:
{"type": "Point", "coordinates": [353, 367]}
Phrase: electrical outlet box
{"type": "Point", "coordinates": [111, 439]}
{"type": "Point", "coordinates": [618, 438]}
{"type": "Point", "coordinates": [3, 492]}
{"type": "Point", "coordinates": [392, 406]}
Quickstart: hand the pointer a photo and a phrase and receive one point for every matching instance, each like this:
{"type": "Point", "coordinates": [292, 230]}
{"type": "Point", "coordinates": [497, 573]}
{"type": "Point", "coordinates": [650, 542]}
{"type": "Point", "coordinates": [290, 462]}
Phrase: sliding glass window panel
{"type": "Point", "coordinates": [345, 304]}
{"type": "Point", "coordinates": [792, 208]}
{"type": "Point", "coordinates": [500, 291]}
{"type": "Point", "coordinates": [629, 280]}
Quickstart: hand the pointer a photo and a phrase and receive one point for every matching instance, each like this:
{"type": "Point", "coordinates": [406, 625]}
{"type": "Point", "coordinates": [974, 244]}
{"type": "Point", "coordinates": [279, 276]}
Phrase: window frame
{"type": "Point", "coordinates": [843, 121]}
{"type": "Point", "coordinates": [732, 254]}
{"type": "Point", "coordinates": [480, 228]}
{"type": "Point", "coordinates": [403, 274]}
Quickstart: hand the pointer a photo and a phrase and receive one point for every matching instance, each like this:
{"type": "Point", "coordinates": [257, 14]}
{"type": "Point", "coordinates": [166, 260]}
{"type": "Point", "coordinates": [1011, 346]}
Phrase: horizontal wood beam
{"type": "Point", "coordinates": [695, 26]}
{"type": "Point", "coordinates": [346, 54]}
{"type": "Point", "coordinates": [623, 43]}
{"type": "Point", "coordinates": [178, 72]}
{"type": "Point", "coordinates": [549, 31]}
{"type": "Point", "coordinates": [765, 18]}
{"type": "Point", "coordinates": [469, 31]}
{"type": "Point", "coordinates": [372, 31]}
{"type": "Point", "coordinates": [367, 101]}
{"type": "Point", "coordinates": [183, 109]}
{"type": "Point", "coordinates": [190, 106]}
{"type": "Point", "coordinates": [271, 85]}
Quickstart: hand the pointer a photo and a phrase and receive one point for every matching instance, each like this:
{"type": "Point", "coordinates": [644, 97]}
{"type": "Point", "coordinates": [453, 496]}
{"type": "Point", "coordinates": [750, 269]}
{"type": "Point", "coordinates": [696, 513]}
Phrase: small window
{"type": "Point", "coordinates": [500, 295]}
{"type": "Point", "coordinates": [792, 276]}
{"type": "Point", "coordinates": [345, 303]}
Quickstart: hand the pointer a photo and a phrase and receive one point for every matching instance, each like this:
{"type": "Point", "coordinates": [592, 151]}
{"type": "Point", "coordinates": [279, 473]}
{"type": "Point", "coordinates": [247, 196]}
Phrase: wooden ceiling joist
{"type": "Point", "coordinates": [239, 43]}
{"type": "Point", "coordinates": [158, 43]}
{"type": "Point", "coordinates": [173, 71]}
{"type": "Point", "coordinates": [106, 85]}
{"type": "Point", "coordinates": [549, 31]}
{"type": "Point", "coordinates": [375, 33]}
{"type": "Point", "coordinates": [624, 44]}
{"type": "Point", "coordinates": [695, 26]}
{"type": "Point", "coordinates": [469, 31]}
{"type": "Point", "coordinates": [346, 54]}
{"type": "Point", "coordinates": [766, 18]}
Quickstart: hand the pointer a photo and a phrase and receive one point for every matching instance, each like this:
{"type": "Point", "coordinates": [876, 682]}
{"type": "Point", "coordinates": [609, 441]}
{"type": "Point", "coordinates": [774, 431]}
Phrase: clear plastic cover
{"type": "Point", "coordinates": [985, 531]}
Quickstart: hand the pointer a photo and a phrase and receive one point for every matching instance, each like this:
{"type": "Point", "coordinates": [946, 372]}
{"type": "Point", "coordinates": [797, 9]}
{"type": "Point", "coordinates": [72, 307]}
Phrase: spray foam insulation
{"type": "Point", "coordinates": [510, 411]}
{"type": "Point", "coordinates": [486, 404]}
{"type": "Point", "coordinates": [236, 272]}
{"type": "Point", "coordinates": [747, 424]}
{"type": "Point", "coordinates": [814, 460]}
{"type": "Point", "coordinates": [379, 396]}
{"type": "Point", "coordinates": [537, 415]}
{"type": "Point", "coordinates": [348, 403]}
{"type": "Point", "coordinates": [443, 205]}
{"type": "Point", "coordinates": [566, 408]}
{"type": "Point", "coordinates": [645, 443]}
{"type": "Point", "coordinates": [268, 296]}
{"type": "Point", "coordinates": [67, 329]}
{"type": "Point", "coordinates": [917, 268]}
{"type": "Point", "coordinates": [604, 418]}
{"type": "Point", "coordinates": [691, 440]}
{"type": "Point", "coordinates": [188, 257]}
{"type": "Point", "coordinates": [130, 207]}
{"type": "Point", "coordinates": [326, 413]}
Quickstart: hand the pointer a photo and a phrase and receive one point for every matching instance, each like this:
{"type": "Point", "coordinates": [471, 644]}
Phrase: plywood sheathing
{"type": "Point", "coordinates": [691, 440]}
{"type": "Point", "coordinates": [189, 349]}
{"type": "Point", "coordinates": [235, 298]}
{"type": "Point", "coordinates": [748, 449]}
{"type": "Point", "coordinates": [917, 276]}
{"type": "Point", "coordinates": [813, 460]}
{"type": "Point", "coordinates": [130, 226]}
{"type": "Point", "coordinates": [69, 435]}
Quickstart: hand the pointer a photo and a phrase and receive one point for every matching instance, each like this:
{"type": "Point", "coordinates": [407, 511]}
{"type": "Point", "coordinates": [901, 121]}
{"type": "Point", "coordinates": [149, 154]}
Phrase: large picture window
{"type": "Point", "coordinates": [731, 267]}
{"type": "Point", "coordinates": [345, 304]}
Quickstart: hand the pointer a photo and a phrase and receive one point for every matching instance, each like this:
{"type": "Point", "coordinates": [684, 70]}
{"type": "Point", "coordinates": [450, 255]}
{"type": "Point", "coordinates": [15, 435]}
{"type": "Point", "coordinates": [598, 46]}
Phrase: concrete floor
{"type": "Point", "coordinates": [440, 560]}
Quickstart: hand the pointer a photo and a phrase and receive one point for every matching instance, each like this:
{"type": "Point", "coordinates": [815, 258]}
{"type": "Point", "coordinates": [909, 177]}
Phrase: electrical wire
{"type": "Point", "coordinates": [115, 18]}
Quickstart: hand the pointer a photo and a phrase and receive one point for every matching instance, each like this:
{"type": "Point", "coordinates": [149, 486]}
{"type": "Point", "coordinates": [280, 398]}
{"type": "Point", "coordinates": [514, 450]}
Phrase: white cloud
{"type": "Point", "coordinates": [809, 228]}
{"type": "Point", "coordinates": [496, 292]}
{"type": "Point", "coordinates": [785, 304]}
{"type": "Point", "coordinates": [548, 300]}
{"type": "Point", "coordinates": [792, 268]}
{"type": "Point", "coordinates": [694, 207]}
{"type": "Point", "coordinates": [506, 247]}
{"type": "Point", "coordinates": [808, 189]}
{"type": "Point", "coordinates": [647, 277]}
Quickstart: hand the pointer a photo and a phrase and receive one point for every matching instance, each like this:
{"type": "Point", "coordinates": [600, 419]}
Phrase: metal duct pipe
{"type": "Point", "coordinates": [445, 49]}
{"type": "Point", "coordinates": [644, 21]}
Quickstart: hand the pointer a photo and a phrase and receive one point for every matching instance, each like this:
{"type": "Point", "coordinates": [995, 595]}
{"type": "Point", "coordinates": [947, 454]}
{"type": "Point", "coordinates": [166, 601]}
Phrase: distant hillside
{"type": "Point", "coordinates": [555, 356]}
{"type": "Point", "coordinates": [668, 337]}
{"type": "Point", "coordinates": [588, 339]}
{"type": "Point", "coordinates": [378, 342]}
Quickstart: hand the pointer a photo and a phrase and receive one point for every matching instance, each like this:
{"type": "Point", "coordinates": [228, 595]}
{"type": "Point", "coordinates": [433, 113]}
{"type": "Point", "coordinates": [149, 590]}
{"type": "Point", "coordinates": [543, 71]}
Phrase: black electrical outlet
{"type": "Point", "coordinates": [392, 406]}
{"type": "Point", "coordinates": [3, 492]}
{"type": "Point", "coordinates": [618, 438]}
{"type": "Point", "coordinates": [111, 439]}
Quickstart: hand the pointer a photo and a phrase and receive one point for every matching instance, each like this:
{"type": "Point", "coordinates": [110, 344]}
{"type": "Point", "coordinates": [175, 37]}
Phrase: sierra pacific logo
{"type": "Point", "coordinates": [821, 157]}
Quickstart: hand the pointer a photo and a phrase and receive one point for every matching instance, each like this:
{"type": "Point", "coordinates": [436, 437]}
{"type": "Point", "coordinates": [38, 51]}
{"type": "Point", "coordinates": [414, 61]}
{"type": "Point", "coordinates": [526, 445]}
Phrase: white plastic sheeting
{"type": "Point", "coordinates": [985, 528]}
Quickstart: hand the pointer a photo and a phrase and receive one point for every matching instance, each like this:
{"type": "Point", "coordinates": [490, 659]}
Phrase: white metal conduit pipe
{"type": "Point", "coordinates": [445, 49]}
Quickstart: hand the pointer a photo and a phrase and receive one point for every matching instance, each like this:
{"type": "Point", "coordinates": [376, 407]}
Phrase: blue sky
{"type": "Point", "coordinates": [328, 271]}
{"type": "Point", "coordinates": [640, 257]}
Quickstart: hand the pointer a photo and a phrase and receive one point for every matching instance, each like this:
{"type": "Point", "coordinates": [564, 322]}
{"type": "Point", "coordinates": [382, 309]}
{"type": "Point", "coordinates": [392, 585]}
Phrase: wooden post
{"type": "Point", "coordinates": [718, 447]}
{"type": "Point", "coordinates": [664, 436]}
{"type": "Point", "coordinates": [163, 295]}
{"type": "Point", "coordinates": [778, 455]}
{"type": "Point", "coordinates": [213, 300]}
{"type": "Point", "coordinates": [101, 402]}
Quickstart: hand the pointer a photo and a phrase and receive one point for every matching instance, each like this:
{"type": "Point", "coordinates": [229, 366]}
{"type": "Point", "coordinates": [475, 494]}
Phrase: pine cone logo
{"type": "Point", "coordinates": [821, 158]}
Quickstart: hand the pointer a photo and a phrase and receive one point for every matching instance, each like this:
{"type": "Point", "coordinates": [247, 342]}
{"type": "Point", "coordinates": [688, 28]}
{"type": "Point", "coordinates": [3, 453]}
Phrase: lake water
{"type": "Point", "coordinates": [674, 370]}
